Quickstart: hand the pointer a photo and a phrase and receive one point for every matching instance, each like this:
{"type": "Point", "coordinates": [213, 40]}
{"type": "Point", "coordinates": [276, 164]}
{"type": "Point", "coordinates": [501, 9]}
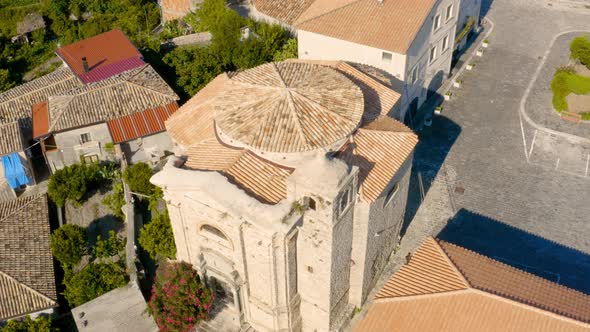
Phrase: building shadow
{"type": "Point", "coordinates": [520, 249]}
{"type": "Point", "coordinates": [486, 5]}
{"type": "Point", "coordinates": [435, 142]}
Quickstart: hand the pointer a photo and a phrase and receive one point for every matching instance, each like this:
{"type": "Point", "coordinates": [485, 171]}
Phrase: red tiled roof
{"type": "Point", "coordinates": [141, 124]}
{"type": "Point", "coordinates": [40, 119]}
{"type": "Point", "coordinates": [108, 54]}
{"type": "Point", "coordinates": [449, 288]}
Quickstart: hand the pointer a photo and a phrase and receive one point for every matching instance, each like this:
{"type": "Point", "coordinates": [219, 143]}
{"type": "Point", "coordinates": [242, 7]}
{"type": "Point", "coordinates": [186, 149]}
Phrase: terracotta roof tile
{"type": "Point", "coordinates": [259, 177]}
{"type": "Point", "coordinates": [284, 11]}
{"type": "Point", "coordinates": [379, 96]}
{"type": "Point", "coordinates": [27, 280]}
{"type": "Point", "coordinates": [140, 124]}
{"type": "Point", "coordinates": [448, 288]}
{"type": "Point", "coordinates": [365, 22]}
{"type": "Point", "coordinates": [498, 278]}
{"type": "Point", "coordinates": [430, 272]}
{"type": "Point", "coordinates": [379, 154]}
{"type": "Point", "coordinates": [11, 138]}
{"type": "Point", "coordinates": [133, 91]}
{"type": "Point", "coordinates": [467, 310]}
{"type": "Point", "coordinates": [107, 54]}
{"type": "Point", "coordinates": [16, 103]}
{"type": "Point", "coordinates": [289, 107]}
{"type": "Point", "coordinates": [40, 119]}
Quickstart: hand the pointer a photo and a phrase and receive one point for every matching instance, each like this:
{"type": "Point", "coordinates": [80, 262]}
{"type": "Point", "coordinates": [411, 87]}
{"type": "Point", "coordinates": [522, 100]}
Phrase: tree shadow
{"type": "Point", "coordinates": [520, 249]}
{"type": "Point", "coordinates": [102, 226]}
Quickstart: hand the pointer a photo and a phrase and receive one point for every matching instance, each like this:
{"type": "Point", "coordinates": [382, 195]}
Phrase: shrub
{"type": "Point", "coordinates": [138, 176]}
{"type": "Point", "coordinates": [68, 244]}
{"type": "Point", "coordinates": [93, 281]}
{"type": "Point", "coordinates": [179, 299]}
{"type": "Point", "coordinates": [72, 182]}
{"type": "Point", "coordinates": [580, 50]}
{"type": "Point", "coordinates": [116, 200]}
{"type": "Point", "coordinates": [40, 324]}
{"type": "Point", "coordinates": [110, 247]}
{"type": "Point", "coordinates": [288, 51]}
{"type": "Point", "coordinates": [157, 237]}
{"type": "Point", "coordinates": [563, 84]}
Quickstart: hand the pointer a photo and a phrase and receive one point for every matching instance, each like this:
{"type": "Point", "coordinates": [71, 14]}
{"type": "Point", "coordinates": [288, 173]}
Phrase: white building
{"type": "Point", "coordinates": [413, 40]}
{"type": "Point", "coordinates": [289, 189]}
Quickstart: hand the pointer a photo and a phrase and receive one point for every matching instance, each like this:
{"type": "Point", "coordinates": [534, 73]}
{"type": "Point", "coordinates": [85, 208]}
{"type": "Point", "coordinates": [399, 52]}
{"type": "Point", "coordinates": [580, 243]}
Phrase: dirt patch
{"type": "Point", "coordinates": [582, 70]}
{"type": "Point", "coordinates": [93, 215]}
{"type": "Point", "coordinates": [578, 103]}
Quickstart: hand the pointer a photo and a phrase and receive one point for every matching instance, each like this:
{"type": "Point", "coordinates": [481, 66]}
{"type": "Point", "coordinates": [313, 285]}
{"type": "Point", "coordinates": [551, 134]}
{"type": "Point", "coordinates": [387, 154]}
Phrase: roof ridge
{"type": "Point", "coordinates": [494, 261]}
{"type": "Point", "coordinates": [295, 23]}
{"type": "Point", "coordinates": [291, 105]}
{"type": "Point", "coordinates": [533, 307]}
{"type": "Point", "coordinates": [451, 263]}
{"type": "Point", "coordinates": [128, 80]}
{"type": "Point", "coordinates": [34, 91]}
{"type": "Point", "coordinates": [30, 199]}
{"type": "Point", "coordinates": [514, 297]}
{"type": "Point", "coordinates": [61, 113]}
{"type": "Point", "coordinates": [29, 288]}
{"type": "Point", "coordinates": [329, 111]}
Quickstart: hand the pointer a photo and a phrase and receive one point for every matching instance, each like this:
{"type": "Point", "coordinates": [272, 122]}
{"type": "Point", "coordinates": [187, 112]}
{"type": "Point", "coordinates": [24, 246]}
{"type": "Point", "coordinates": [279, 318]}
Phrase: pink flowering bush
{"type": "Point", "coordinates": [179, 299]}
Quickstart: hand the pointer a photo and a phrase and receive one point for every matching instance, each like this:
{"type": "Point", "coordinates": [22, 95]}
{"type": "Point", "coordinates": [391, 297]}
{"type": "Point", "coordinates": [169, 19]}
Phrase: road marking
{"type": "Point", "coordinates": [587, 162]}
{"type": "Point", "coordinates": [533, 143]}
{"type": "Point", "coordinates": [557, 164]}
{"type": "Point", "coordinates": [526, 156]}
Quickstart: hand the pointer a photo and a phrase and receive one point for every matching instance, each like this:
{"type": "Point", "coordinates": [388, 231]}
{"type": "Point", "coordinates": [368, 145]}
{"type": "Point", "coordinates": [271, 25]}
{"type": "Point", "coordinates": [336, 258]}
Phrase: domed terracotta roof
{"type": "Point", "coordinates": [288, 107]}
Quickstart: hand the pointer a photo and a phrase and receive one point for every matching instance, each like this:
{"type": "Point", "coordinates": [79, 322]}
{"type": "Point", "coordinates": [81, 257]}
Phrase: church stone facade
{"type": "Point", "coordinates": [288, 190]}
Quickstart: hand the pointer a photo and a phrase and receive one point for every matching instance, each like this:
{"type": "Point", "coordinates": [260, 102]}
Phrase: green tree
{"type": "Point", "coordinates": [137, 176]}
{"type": "Point", "coordinates": [580, 50]}
{"type": "Point", "coordinates": [179, 299]}
{"type": "Point", "coordinates": [157, 237]}
{"type": "Point", "coordinates": [93, 281]}
{"type": "Point", "coordinates": [68, 244]}
{"type": "Point", "coordinates": [288, 51]}
{"type": "Point", "coordinates": [5, 81]}
{"type": "Point", "coordinates": [112, 246]}
{"type": "Point", "coordinates": [40, 324]}
{"type": "Point", "coordinates": [195, 67]}
{"type": "Point", "coordinates": [116, 201]}
{"type": "Point", "coordinates": [72, 183]}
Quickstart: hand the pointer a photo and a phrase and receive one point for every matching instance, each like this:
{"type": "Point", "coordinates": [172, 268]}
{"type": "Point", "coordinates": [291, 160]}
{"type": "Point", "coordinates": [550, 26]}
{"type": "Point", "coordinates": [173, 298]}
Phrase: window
{"type": "Point", "coordinates": [85, 138]}
{"type": "Point", "coordinates": [345, 200]}
{"type": "Point", "coordinates": [91, 158]}
{"type": "Point", "coordinates": [215, 231]}
{"type": "Point", "coordinates": [386, 57]}
{"type": "Point", "coordinates": [445, 43]}
{"type": "Point", "coordinates": [449, 12]}
{"type": "Point", "coordinates": [432, 54]}
{"type": "Point", "coordinates": [391, 194]}
{"type": "Point", "coordinates": [309, 269]}
{"type": "Point", "coordinates": [436, 22]}
{"type": "Point", "coordinates": [414, 75]}
{"type": "Point", "coordinates": [311, 203]}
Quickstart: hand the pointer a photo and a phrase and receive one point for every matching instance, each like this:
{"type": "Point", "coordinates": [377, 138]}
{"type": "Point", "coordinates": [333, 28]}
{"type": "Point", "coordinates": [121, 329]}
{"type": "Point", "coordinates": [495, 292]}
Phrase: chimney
{"type": "Point", "coordinates": [380, 1]}
{"type": "Point", "coordinates": [85, 65]}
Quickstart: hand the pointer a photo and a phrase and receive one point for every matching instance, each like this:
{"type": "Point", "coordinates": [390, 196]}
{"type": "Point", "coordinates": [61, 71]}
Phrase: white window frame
{"type": "Point", "coordinates": [437, 23]}
{"type": "Point", "coordinates": [445, 43]}
{"type": "Point", "coordinates": [449, 12]}
{"type": "Point", "coordinates": [391, 194]}
{"type": "Point", "coordinates": [386, 57]}
{"type": "Point", "coordinates": [414, 74]}
{"type": "Point", "coordinates": [346, 194]}
{"type": "Point", "coordinates": [432, 54]}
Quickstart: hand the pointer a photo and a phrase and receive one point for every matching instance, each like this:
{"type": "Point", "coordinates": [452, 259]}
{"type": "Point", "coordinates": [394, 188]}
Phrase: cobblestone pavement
{"type": "Point", "coordinates": [481, 192]}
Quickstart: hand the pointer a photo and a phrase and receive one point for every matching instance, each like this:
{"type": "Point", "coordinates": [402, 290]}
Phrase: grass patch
{"type": "Point", "coordinates": [565, 82]}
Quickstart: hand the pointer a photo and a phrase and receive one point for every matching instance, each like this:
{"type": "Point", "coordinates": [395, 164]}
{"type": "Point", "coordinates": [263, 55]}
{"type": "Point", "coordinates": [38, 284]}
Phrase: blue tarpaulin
{"type": "Point", "coordinates": [14, 171]}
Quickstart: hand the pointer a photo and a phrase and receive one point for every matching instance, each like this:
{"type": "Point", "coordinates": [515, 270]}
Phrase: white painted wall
{"type": "Point", "coordinates": [319, 47]}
